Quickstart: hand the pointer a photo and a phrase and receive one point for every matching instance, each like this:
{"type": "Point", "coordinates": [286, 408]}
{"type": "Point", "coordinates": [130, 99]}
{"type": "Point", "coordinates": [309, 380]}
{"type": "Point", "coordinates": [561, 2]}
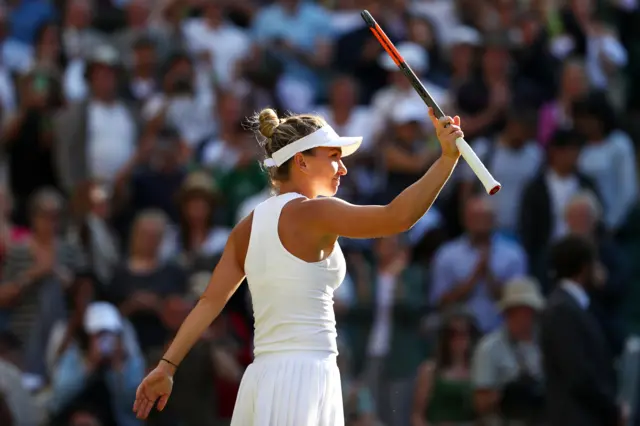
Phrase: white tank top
{"type": "Point", "coordinates": [292, 299]}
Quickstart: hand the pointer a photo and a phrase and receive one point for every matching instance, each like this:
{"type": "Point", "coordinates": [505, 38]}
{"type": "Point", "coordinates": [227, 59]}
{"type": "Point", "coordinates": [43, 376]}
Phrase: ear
{"type": "Point", "coordinates": [300, 162]}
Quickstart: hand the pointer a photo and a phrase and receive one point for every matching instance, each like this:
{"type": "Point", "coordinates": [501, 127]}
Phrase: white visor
{"type": "Point", "coordinates": [323, 137]}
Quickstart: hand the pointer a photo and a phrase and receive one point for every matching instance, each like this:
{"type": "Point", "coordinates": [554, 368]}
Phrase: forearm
{"type": "Point", "coordinates": [459, 292]}
{"type": "Point", "coordinates": [413, 202]}
{"type": "Point", "coordinates": [198, 320]}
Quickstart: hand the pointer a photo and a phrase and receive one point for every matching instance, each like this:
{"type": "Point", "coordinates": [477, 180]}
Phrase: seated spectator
{"type": "Point", "coordinates": [92, 231]}
{"type": "Point", "coordinates": [299, 34]}
{"type": "Point", "coordinates": [507, 365]}
{"type": "Point", "coordinates": [406, 156]}
{"type": "Point", "coordinates": [472, 269]}
{"type": "Point", "coordinates": [97, 371]}
{"type": "Point", "coordinates": [607, 145]}
{"type": "Point", "coordinates": [154, 181]}
{"type": "Point", "coordinates": [144, 81]}
{"type": "Point", "coordinates": [513, 156]}
{"type": "Point", "coordinates": [557, 115]}
{"type": "Point", "coordinates": [16, 402]}
{"type": "Point", "coordinates": [35, 276]}
{"type": "Point", "coordinates": [583, 215]}
{"type": "Point", "coordinates": [197, 237]}
{"type": "Point", "coordinates": [443, 392]}
{"type": "Point", "coordinates": [143, 281]}
{"type": "Point", "coordinates": [399, 87]}
{"type": "Point", "coordinates": [545, 197]}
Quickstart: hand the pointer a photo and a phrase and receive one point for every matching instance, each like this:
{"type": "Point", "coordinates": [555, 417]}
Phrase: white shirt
{"type": "Point", "coordinates": [561, 189]}
{"type": "Point", "coordinates": [292, 299]}
{"type": "Point", "coordinates": [358, 124]}
{"type": "Point", "coordinates": [227, 45]}
{"type": "Point", "coordinates": [577, 292]}
{"type": "Point", "coordinates": [612, 166]}
{"type": "Point", "coordinates": [111, 139]}
{"type": "Point", "coordinates": [516, 167]}
{"type": "Point", "coordinates": [380, 336]}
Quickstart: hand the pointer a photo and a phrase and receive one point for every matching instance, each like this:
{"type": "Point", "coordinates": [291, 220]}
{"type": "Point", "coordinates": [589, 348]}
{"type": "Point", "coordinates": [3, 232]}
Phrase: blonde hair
{"type": "Point", "coordinates": [274, 133]}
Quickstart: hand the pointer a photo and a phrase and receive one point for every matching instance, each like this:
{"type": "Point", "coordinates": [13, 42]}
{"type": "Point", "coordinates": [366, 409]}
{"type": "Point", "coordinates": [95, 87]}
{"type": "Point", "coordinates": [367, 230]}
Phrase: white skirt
{"type": "Point", "coordinates": [290, 389]}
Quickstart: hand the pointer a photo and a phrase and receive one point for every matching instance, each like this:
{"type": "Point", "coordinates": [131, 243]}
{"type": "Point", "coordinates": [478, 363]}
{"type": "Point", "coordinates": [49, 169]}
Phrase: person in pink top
{"type": "Point", "coordinates": [556, 114]}
{"type": "Point", "coordinates": [9, 233]}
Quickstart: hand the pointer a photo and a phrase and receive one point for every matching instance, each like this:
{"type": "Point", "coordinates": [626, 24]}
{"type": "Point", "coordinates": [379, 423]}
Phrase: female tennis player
{"type": "Point", "coordinates": [288, 250]}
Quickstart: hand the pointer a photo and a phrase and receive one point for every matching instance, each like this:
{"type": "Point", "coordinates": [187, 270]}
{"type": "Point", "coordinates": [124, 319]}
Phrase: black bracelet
{"type": "Point", "coordinates": [169, 362]}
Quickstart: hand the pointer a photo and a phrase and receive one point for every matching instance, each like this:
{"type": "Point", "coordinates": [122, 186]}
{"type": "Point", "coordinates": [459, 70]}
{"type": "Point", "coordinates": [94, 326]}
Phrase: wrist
{"type": "Point", "coordinates": [451, 159]}
{"type": "Point", "coordinates": [167, 367]}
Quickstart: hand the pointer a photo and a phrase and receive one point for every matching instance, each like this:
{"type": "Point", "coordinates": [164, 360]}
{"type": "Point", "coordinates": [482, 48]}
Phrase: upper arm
{"type": "Point", "coordinates": [332, 216]}
{"type": "Point", "coordinates": [229, 272]}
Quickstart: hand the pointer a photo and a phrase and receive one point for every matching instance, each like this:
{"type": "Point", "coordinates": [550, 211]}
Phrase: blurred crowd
{"type": "Point", "coordinates": [125, 161]}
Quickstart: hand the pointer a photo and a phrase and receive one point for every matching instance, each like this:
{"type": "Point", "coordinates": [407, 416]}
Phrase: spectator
{"type": "Point", "coordinates": [185, 102]}
{"type": "Point", "coordinates": [507, 365]}
{"type": "Point", "coordinates": [9, 233]}
{"type": "Point", "coordinates": [389, 318]}
{"type": "Point", "coordinates": [29, 142]}
{"type": "Point", "coordinates": [143, 281]}
{"type": "Point", "coordinates": [556, 115]}
{"type": "Point", "coordinates": [144, 81]}
{"type": "Point", "coordinates": [610, 288]}
{"type": "Point", "coordinates": [299, 34]}
{"type": "Point", "coordinates": [92, 231]}
{"type": "Point", "coordinates": [607, 145]}
{"type": "Point", "coordinates": [546, 196]}
{"type": "Point", "coordinates": [578, 364]}
{"type": "Point", "coordinates": [513, 156]}
{"type": "Point", "coordinates": [472, 269]}
{"type": "Point", "coordinates": [19, 405]}
{"type": "Point", "coordinates": [398, 88]}
{"type": "Point", "coordinates": [109, 376]}
{"type": "Point", "coordinates": [35, 276]}
{"type": "Point", "coordinates": [153, 179]}
{"type": "Point", "coordinates": [96, 138]}
{"type": "Point", "coordinates": [443, 387]}
{"type": "Point", "coordinates": [406, 156]}
{"type": "Point", "coordinates": [197, 236]}
{"type": "Point", "coordinates": [223, 44]}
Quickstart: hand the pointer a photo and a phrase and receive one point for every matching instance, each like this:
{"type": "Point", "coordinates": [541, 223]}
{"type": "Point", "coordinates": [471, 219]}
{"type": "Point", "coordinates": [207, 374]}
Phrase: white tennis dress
{"type": "Point", "coordinates": [294, 379]}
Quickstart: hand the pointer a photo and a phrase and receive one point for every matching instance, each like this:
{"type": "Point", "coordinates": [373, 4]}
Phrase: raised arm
{"type": "Point", "coordinates": [226, 278]}
{"type": "Point", "coordinates": [332, 216]}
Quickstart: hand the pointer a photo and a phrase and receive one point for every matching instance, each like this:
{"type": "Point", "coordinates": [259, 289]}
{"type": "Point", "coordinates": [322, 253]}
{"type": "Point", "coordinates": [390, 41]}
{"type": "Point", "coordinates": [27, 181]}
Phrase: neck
{"type": "Point", "coordinates": [341, 113]}
{"type": "Point", "coordinates": [458, 360]}
{"type": "Point", "coordinates": [104, 99]}
{"type": "Point", "coordinates": [287, 187]}
{"type": "Point", "coordinates": [214, 23]}
{"type": "Point", "coordinates": [142, 261]}
{"type": "Point", "coordinates": [562, 173]}
{"type": "Point", "coordinates": [143, 73]}
{"type": "Point", "coordinates": [480, 240]}
{"type": "Point", "coordinates": [44, 239]}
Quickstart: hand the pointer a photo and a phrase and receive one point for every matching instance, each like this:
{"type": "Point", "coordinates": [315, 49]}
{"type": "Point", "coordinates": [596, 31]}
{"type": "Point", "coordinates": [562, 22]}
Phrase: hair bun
{"type": "Point", "coordinates": [268, 122]}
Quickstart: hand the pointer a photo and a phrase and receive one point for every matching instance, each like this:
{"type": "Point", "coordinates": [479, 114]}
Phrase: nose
{"type": "Point", "coordinates": [342, 170]}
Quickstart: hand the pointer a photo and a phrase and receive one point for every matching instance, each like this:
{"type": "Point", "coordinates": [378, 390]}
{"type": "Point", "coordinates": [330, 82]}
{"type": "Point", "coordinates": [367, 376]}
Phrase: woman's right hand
{"type": "Point", "coordinates": [156, 386]}
{"type": "Point", "coordinates": [447, 130]}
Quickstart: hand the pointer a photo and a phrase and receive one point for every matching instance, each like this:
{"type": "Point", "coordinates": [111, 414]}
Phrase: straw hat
{"type": "Point", "coordinates": [521, 291]}
{"type": "Point", "coordinates": [198, 183]}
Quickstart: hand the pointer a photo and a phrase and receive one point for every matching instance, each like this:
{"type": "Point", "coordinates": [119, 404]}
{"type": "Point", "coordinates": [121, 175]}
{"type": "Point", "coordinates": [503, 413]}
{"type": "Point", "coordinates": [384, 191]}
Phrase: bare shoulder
{"type": "Point", "coordinates": [426, 369]}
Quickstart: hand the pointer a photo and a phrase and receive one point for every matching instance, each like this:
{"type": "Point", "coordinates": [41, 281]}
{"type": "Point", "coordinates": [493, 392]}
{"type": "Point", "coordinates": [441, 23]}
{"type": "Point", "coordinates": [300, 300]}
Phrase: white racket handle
{"type": "Point", "coordinates": [491, 185]}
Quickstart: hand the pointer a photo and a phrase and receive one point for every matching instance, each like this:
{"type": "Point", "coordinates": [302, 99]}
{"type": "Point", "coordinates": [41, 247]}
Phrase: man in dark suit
{"type": "Point", "coordinates": [545, 198]}
{"type": "Point", "coordinates": [581, 381]}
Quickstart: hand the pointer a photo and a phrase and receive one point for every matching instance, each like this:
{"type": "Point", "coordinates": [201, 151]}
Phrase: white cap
{"type": "Point", "coordinates": [409, 110]}
{"type": "Point", "coordinates": [102, 316]}
{"type": "Point", "coordinates": [325, 136]}
{"type": "Point", "coordinates": [466, 35]}
{"type": "Point", "coordinates": [413, 54]}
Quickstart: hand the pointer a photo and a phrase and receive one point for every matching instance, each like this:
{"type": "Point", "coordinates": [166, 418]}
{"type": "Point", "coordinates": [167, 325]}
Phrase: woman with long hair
{"type": "Point", "coordinates": [444, 393]}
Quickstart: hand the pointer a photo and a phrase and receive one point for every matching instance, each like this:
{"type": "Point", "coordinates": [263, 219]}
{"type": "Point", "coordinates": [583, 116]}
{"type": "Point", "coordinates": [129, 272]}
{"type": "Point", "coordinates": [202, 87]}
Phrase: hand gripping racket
{"type": "Point", "coordinates": [491, 185]}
